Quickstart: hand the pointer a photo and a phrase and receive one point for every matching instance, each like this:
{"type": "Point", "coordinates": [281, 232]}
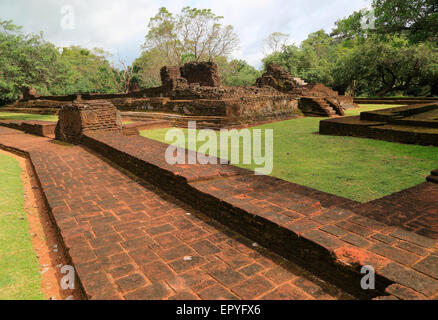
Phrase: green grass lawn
{"type": "Point", "coordinates": [358, 169]}
{"type": "Point", "coordinates": [27, 116]}
{"type": "Point", "coordinates": [19, 269]}
{"type": "Point", "coordinates": [369, 107]}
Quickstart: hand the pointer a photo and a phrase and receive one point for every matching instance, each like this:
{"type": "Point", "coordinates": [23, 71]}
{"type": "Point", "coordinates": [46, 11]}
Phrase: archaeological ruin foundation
{"type": "Point", "coordinates": [194, 92]}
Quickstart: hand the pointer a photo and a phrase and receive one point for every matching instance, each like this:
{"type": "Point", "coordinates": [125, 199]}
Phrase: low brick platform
{"type": "Point", "coordinates": [47, 128]}
{"type": "Point", "coordinates": [415, 209]}
{"type": "Point", "coordinates": [128, 239]}
{"type": "Point", "coordinates": [40, 128]}
{"type": "Point", "coordinates": [414, 124]}
{"type": "Point", "coordinates": [271, 212]}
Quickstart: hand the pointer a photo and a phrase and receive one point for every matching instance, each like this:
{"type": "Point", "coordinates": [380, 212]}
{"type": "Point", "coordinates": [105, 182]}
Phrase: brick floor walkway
{"type": "Point", "coordinates": [129, 240]}
{"type": "Point", "coordinates": [414, 209]}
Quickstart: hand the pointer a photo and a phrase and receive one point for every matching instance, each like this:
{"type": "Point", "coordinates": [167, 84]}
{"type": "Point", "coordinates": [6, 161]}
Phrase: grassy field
{"type": "Point", "coordinates": [27, 116]}
{"type": "Point", "coordinates": [358, 169]}
{"type": "Point", "coordinates": [19, 269]}
{"type": "Point", "coordinates": [369, 107]}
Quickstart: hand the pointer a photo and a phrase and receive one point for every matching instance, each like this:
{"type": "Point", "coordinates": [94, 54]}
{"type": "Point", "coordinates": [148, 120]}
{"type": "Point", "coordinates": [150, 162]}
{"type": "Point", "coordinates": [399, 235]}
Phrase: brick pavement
{"type": "Point", "coordinates": [129, 240]}
{"type": "Point", "coordinates": [298, 227]}
{"type": "Point", "coordinates": [114, 233]}
{"type": "Point", "coordinates": [414, 209]}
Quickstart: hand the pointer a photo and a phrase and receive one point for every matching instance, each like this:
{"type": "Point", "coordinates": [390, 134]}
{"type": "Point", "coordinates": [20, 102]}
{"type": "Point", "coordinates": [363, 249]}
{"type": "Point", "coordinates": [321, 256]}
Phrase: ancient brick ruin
{"type": "Point", "coordinates": [192, 231]}
{"type": "Point", "coordinates": [194, 92]}
{"type": "Point", "coordinates": [414, 124]}
{"type": "Point", "coordinates": [78, 118]}
{"type": "Point", "coordinates": [278, 78]}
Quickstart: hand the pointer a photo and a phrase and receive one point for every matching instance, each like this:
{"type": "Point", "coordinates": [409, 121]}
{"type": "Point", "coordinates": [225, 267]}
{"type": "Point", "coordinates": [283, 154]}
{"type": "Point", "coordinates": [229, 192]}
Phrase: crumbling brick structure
{"type": "Point", "coordinates": [194, 92]}
{"type": "Point", "coordinates": [78, 118]}
{"type": "Point", "coordinates": [278, 78]}
{"type": "Point", "coordinates": [29, 93]}
{"type": "Point", "coordinates": [171, 78]}
{"type": "Point", "coordinates": [204, 73]}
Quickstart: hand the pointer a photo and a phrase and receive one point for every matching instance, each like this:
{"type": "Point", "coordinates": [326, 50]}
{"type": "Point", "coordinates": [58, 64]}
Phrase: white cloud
{"type": "Point", "coordinates": [119, 26]}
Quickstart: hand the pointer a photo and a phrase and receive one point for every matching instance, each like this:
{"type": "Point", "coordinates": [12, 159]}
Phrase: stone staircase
{"type": "Point", "coordinates": [433, 177]}
{"type": "Point", "coordinates": [326, 106]}
{"type": "Point", "coordinates": [300, 82]}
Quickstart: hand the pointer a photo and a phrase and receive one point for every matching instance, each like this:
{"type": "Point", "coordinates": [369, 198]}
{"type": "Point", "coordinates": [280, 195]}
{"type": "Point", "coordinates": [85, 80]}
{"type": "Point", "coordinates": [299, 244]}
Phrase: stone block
{"type": "Point", "coordinates": [78, 118]}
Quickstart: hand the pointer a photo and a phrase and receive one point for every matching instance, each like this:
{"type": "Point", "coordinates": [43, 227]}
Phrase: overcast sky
{"type": "Point", "coordinates": [119, 26]}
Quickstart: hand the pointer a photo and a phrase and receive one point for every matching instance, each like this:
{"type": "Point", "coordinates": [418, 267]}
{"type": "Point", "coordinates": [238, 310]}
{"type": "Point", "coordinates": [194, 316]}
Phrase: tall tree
{"type": "Point", "coordinates": [352, 27]}
{"type": "Point", "coordinates": [26, 60]}
{"type": "Point", "coordinates": [87, 71]}
{"type": "Point", "coordinates": [236, 72]}
{"type": "Point", "coordinates": [147, 68]}
{"type": "Point", "coordinates": [275, 42]}
{"type": "Point", "coordinates": [416, 18]}
{"type": "Point", "coordinates": [198, 32]}
{"type": "Point", "coordinates": [377, 67]}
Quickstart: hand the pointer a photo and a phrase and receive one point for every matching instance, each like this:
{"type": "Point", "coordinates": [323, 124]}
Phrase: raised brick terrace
{"type": "Point", "coordinates": [127, 238]}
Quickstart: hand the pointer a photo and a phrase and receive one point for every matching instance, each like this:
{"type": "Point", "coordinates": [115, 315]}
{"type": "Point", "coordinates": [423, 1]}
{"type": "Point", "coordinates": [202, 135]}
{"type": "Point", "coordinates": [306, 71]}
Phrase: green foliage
{"type": "Point", "coordinates": [389, 66]}
{"type": "Point", "coordinates": [147, 68]}
{"type": "Point", "coordinates": [418, 19]}
{"type": "Point", "coordinates": [26, 60]}
{"type": "Point", "coordinates": [361, 61]}
{"type": "Point", "coordinates": [311, 61]}
{"type": "Point", "coordinates": [350, 27]}
{"type": "Point", "coordinates": [86, 71]}
{"type": "Point", "coordinates": [237, 72]}
{"type": "Point", "coordinates": [196, 32]}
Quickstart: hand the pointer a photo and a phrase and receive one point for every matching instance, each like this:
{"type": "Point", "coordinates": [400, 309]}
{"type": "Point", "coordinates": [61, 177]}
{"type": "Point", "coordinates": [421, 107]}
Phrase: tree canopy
{"type": "Point", "coordinates": [198, 32]}
{"type": "Point", "coordinates": [418, 19]}
{"type": "Point", "coordinates": [26, 60]}
{"type": "Point", "coordinates": [397, 54]}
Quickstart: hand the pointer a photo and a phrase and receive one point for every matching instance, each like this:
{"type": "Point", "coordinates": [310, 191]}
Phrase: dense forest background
{"type": "Point", "coordinates": [391, 50]}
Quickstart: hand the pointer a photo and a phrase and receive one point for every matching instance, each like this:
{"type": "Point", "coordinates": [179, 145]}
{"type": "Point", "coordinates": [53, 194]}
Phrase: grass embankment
{"type": "Point", "coordinates": [27, 116]}
{"type": "Point", "coordinates": [358, 169]}
{"type": "Point", "coordinates": [19, 270]}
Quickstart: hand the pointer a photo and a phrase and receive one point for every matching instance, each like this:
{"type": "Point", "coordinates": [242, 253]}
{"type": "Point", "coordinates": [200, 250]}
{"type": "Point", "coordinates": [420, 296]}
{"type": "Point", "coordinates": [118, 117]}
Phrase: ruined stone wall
{"type": "Point", "coordinates": [204, 73]}
{"type": "Point", "coordinates": [79, 118]}
{"type": "Point", "coordinates": [315, 107]}
{"type": "Point", "coordinates": [347, 102]}
{"type": "Point", "coordinates": [278, 78]}
{"type": "Point", "coordinates": [195, 90]}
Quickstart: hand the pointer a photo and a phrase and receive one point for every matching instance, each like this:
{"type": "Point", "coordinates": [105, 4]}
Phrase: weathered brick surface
{"type": "Point", "coordinates": [40, 128]}
{"type": "Point", "coordinates": [271, 210]}
{"type": "Point", "coordinates": [128, 223]}
{"type": "Point", "coordinates": [129, 240]}
{"type": "Point", "coordinates": [414, 209]}
{"type": "Point", "coordinates": [78, 118]}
